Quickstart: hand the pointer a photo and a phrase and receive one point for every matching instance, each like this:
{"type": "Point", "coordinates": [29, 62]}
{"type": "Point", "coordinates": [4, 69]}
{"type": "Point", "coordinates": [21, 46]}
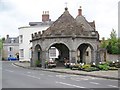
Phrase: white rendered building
{"type": "Point", "coordinates": [25, 36]}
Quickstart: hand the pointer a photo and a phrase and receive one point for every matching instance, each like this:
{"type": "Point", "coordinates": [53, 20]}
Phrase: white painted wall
{"type": "Point", "coordinates": [26, 45]}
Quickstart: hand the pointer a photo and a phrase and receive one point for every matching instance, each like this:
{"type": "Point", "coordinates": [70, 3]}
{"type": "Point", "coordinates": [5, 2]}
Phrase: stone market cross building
{"type": "Point", "coordinates": [70, 36]}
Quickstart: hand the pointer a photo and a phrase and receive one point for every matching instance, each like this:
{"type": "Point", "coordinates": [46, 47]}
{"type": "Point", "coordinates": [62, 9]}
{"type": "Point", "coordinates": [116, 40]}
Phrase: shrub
{"type": "Point", "coordinates": [103, 67]}
{"type": "Point", "coordinates": [117, 64]}
{"type": "Point", "coordinates": [37, 63]}
{"type": "Point", "coordinates": [91, 69]}
{"type": "Point", "coordinates": [86, 66]}
{"type": "Point", "coordinates": [75, 67]}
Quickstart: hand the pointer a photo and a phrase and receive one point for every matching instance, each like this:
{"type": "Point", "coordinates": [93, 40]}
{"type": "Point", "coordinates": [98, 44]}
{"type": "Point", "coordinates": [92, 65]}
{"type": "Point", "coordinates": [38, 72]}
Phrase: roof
{"type": "Point", "coordinates": [12, 40]}
{"type": "Point", "coordinates": [65, 25]}
{"type": "Point", "coordinates": [86, 25]}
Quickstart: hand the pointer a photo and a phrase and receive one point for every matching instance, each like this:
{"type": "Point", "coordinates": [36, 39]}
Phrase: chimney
{"type": "Point", "coordinates": [80, 11]}
{"type": "Point", "coordinates": [45, 16]}
{"type": "Point", "coordinates": [7, 36]}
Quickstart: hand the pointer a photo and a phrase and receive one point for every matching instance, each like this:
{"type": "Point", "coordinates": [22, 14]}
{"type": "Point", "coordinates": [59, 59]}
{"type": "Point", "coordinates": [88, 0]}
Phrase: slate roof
{"type": "Point", "coordinates": [67, 25]}
{"type": "Point", "coordinates": [12, 40]}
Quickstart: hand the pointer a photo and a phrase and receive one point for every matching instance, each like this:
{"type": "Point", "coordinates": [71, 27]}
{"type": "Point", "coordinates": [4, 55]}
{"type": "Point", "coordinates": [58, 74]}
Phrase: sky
{"type": "Point", "coordinates": [18, 13]}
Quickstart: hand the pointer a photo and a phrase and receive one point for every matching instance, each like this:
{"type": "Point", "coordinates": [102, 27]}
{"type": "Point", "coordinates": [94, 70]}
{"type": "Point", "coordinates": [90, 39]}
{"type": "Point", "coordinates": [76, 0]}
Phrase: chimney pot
{"type": "Point", "coordinates": [45, 16]}
{"type": "Point", "coordinates": [7, 36]}
{"type": "Point", "coordinates": [80, 11]}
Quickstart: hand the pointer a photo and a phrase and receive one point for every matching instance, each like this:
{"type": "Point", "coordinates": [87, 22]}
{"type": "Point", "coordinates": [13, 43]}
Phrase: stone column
{"type": "Point", "coordinates": [93, 56]}
{"type": "Point", "coordinates": [45, 56]}
{"type": "Point", "coordinates": [33, 59]}
{"type": "Point", "coordinates": [73, 56]}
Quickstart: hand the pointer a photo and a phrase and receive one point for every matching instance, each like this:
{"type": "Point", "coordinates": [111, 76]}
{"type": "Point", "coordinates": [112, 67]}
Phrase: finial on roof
{"type": "Point", "coordinates": [80, 7]}
{"type": "Point", "coordinates": [66, 6]}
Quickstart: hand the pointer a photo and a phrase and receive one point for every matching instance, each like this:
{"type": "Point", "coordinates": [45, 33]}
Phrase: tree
{"type": "Point", "coordinates": [103, 43]}
{"type": "Point", "coordinates": [112, 44]}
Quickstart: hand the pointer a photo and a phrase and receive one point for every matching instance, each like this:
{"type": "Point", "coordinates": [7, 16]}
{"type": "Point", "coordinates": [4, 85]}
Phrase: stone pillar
{"type": "Point", "coordinates": [45, 56]}
{"type": "Point", "coordinates": [73, 56]}
{"type": "Point", "coordinates": [33, 59]}
{"type": "Point", "coordinates": [92, 56]}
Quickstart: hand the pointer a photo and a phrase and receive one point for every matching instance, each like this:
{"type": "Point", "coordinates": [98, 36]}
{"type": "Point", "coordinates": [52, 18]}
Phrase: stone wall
{"type": "Point", "coordinates": [112, 57]}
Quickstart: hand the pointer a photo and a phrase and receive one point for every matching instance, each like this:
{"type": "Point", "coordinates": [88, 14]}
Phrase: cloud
{"type": "Point", "coordinates": [17, 13]}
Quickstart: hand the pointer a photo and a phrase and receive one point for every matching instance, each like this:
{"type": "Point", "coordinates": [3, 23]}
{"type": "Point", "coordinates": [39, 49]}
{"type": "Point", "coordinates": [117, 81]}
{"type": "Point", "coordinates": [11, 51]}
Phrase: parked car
{"type": "Point", "coordinates": [12, 58]}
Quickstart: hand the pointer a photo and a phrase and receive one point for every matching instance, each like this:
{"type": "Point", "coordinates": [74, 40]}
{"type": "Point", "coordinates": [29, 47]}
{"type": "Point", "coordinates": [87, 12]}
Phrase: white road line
{"type": "Point", "coordinates": [70, 85]}
{"type": "Point", "coordinates": [74, 79]}
{"type": "Point", "coordinates": [14, 65]}
{"type": "Point", "coordinates": [1, 68]}
{"type": "Point", "coordinates": [50, 76]}
{"type": "Point", "coordinates": [84, 79]}
{"type": "Point", "coordinates": [32, 76]}
{"type": "Point", "coordinates": [94, 83]}
{"type": "Point", "coordinates": [28, 72]}
{"type": "Point", "coordinates": [41, 74]}
{"type": "Point", "coordinates": [9, 70]}
{"type": "Point", "coordinates": [112, 86]}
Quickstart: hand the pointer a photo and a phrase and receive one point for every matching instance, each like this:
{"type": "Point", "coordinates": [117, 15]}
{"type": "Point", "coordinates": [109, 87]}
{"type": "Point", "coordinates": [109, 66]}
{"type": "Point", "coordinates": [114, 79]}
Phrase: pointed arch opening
{"type": "Point", "coordinates": [85, 53]}
{"type": "Point", "coordinates": [59, 52]}
{"type": "Point", "coordinates": [38, 52]}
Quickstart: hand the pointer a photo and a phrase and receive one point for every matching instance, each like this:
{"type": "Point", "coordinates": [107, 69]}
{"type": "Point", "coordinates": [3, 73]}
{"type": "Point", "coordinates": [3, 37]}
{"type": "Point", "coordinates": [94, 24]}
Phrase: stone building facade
{"type": "Point", "coordinates": [71, 36]}
{"type": "Point", "coordinates": [10, 48]}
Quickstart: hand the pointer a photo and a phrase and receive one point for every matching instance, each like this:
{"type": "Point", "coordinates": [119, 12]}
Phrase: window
{"type": "Point", "coordinates": [12, 40]}
{"type": "Point", "coordinates": [87, 53]}
{"type": "Point", "coordinates": [10, 49]}
{"type": "Point", "coordinates": [52, 52]}
{"type": "Point", "coordinates": [21, 52]}
{"type": "Point", "coordinates": [21, 39]}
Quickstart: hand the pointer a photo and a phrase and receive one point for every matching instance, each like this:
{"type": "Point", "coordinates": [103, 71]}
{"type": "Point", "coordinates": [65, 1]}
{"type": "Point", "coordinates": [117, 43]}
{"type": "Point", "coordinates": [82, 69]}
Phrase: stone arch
{"type": "Point", "coordinates": [57, 43]}
{"type": "Point", "coordinates": [38, 52]}
{"type": "Point", "coordinates": [85, 53]}
{"type": "Point", "coordinates": [63, 55]}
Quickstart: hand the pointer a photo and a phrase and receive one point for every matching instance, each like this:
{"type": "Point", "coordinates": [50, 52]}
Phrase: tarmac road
{"type": "Point", "coordinates": [17, 77]}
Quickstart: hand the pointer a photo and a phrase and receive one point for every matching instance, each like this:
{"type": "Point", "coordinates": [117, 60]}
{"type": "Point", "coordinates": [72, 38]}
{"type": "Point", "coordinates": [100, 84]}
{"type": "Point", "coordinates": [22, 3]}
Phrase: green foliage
{"type": "Point", "coordinates": [103, 43]}
{"type": "Point", "coordinates": [112, 44]}
{"type": "Point", "coordinates": [86, 66]}
{"type": "Point", "coordinates": [75, 67]}
{"type": "Point", "coordinates": [37, 63]}
{"type": "Point", "coordinates": [91, 69]}
{"type": "Point", "coordinates": [103, 67]}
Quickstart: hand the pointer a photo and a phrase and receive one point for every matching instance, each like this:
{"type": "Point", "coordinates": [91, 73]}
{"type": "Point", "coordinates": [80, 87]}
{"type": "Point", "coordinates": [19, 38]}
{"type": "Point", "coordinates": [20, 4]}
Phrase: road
{"type": "Point", "coordinates": [17, 77]}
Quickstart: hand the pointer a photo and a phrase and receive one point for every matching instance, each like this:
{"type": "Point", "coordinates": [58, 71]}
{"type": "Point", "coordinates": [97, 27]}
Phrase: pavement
{"type": "Point", "coordinates": [110, 74]}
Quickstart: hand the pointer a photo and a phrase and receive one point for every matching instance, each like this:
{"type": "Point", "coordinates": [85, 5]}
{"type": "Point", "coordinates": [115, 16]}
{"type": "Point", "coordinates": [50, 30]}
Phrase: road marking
{"type": "Point", "coordinates": [94, 83]}
{"type": "Point", "coordinates": [14, 65]}
{"type": "Point", "coordinates": [84, 79]}
{"type": "Point", "coordinates": [1, 68]}
{"type": "Point", "coordinates": [75, 79]}
{"type": "Point", "coordinates": [28, 72]}
{"type": "Point", "coordinates": [113, 86]}
{"type": "Point", "coordinates": [70, 85]}
{"type": "Point", "coordinates": [41, 74]}
{"type": "Point", "coordinates": [32, 76]}
{"type": "Point", "coordinates": [50, 76]}
{"type": "Point", "coordinates": [9, 70]}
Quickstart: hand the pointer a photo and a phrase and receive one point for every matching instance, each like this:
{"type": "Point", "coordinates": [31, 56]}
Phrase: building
{"type": "Point", "coordinates": [25, 35]}
{"type": "Point", "coordinates": [74, 38]}
{"type": "Point", "coordinates": [11, 48]}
